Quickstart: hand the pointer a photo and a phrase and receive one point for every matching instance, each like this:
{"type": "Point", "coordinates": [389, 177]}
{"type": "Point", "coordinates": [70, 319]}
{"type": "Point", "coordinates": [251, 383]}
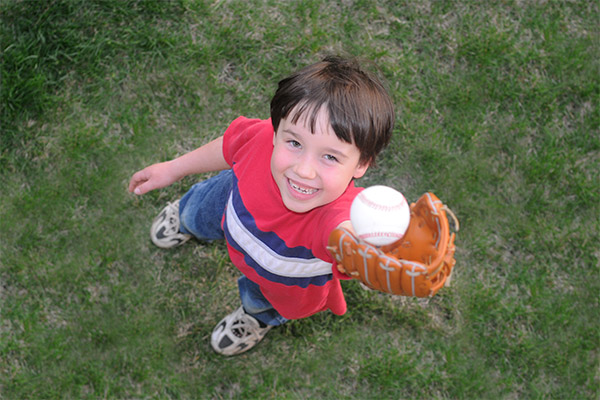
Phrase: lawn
{"type": "Point", "coordinates": [497, 114]}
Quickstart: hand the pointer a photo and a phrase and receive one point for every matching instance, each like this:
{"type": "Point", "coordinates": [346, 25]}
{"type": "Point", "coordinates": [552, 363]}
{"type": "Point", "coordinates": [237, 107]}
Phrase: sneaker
{"type": "Point", "coordinates": [238, 332]}
{"type": "Point", "coordinates": [165, 228]}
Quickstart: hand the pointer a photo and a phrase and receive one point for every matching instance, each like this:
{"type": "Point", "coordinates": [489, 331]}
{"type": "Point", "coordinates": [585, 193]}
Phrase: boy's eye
{"type": "Point", "coordinates": [294, 143]}
{"type": "Point", "coordinates": [329, 157]}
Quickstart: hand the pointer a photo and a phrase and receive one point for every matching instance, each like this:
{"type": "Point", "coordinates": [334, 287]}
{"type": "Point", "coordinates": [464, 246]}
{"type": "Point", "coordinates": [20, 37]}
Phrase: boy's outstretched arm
{"type": "Point", "coordinates": [204, 159]}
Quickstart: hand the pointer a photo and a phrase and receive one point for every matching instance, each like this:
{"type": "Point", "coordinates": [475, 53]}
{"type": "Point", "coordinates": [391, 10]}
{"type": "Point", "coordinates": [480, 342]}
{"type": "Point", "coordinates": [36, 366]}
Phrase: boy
{"type": "Point", "coordinates": [285, 184]}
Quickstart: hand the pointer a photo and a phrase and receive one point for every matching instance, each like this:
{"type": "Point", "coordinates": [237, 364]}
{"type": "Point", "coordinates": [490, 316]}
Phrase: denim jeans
{"type": "Point", "coordinates": [201, 212]}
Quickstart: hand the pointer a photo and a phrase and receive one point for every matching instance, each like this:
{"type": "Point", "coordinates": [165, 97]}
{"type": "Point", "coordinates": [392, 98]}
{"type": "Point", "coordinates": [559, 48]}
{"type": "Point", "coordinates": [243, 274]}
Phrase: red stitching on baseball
{"type": "Point", "coordinates": [378, 206]}
{"type": "Point", "coordinates": [379, 234]}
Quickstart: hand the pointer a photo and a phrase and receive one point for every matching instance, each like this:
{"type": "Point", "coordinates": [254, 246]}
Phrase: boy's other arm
{"type": "Point", "coordinates": [204, 159]}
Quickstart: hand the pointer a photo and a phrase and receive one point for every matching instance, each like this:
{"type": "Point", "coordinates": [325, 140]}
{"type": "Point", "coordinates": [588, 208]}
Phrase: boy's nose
{"type": "Point", "coordinates": [305, 168]}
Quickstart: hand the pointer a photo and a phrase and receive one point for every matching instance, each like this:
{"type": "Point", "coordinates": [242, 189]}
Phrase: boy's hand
{"type": "Point", "coordinates": [155, 176]}
{"type": "Point", "coordinates": [417, 265]}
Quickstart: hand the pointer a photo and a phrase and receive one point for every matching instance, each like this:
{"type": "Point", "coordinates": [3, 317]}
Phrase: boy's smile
{"type": "Point", "coordinates": [312, 169]}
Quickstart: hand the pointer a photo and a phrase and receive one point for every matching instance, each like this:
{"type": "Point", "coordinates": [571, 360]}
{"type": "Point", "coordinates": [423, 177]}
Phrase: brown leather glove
{"type": "Point", "coordinates": [418, 265]}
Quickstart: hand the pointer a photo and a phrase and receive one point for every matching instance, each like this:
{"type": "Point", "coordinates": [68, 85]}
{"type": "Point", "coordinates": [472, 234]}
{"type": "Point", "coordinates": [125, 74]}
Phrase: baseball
{"type": "Point", "coordinates": [380, 215]}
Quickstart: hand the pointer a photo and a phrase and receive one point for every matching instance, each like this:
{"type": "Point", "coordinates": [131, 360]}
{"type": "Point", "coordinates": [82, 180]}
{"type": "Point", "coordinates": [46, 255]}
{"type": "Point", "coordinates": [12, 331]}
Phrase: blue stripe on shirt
{"type": "Point", "coordinates": [267, 253]}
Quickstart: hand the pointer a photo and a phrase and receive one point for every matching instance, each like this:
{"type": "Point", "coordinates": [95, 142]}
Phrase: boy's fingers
{"type": "Point", "coordinates": [144, 187]}
{"type": "Point", "coordinates": [132, 185]}
{"type": "Point", "coordinates": [137, 180]}
{"type": "Point", "coordinates": [140, 189]}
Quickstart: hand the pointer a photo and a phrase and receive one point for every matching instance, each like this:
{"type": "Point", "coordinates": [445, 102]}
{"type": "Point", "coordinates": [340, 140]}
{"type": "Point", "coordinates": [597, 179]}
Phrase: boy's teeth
{"type": "Point", "coordinates": [302, 190]}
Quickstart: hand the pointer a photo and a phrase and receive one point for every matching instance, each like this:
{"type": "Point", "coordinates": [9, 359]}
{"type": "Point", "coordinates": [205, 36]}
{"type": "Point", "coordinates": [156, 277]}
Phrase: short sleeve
{"type": "Point", "coordinates": [238, 134]}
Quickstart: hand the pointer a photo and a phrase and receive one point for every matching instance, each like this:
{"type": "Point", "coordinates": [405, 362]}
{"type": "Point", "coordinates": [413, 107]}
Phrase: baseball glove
{"type": "Point", "coordinates": [417, 265]}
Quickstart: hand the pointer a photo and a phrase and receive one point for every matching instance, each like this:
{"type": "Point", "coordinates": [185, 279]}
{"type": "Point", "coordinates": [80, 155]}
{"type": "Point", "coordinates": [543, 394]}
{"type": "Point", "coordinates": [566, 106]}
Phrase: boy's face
{"type": "Point", "coordinates": [312, 170]}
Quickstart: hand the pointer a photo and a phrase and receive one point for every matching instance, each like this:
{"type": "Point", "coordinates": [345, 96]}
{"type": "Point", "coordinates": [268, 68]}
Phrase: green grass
{"type": "Point", "coordinates": [497, 113]}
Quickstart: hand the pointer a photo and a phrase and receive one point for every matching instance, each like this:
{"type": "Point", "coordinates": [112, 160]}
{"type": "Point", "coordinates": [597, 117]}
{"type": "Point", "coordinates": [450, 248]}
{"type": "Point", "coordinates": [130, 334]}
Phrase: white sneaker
{"type": "Point", "coordinates": [165, 228]}
{"type": "Point", "coordinates": [236, 333]}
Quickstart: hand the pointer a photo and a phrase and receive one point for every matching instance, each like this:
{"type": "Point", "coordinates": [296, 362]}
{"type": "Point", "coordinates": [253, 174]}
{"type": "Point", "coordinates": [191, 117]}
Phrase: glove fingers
{"type": "Point", "coordinates": [389, 272]}
{"type": "Point", "coordinates": [414, 279]}
{"type": "Point", "coordinates": [365, 261]}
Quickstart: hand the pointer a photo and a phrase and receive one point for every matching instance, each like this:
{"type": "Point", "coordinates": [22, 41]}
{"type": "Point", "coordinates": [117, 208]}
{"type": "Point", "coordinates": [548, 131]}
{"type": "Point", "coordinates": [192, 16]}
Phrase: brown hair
{"type": "Point", "coordinates": [360, 109]}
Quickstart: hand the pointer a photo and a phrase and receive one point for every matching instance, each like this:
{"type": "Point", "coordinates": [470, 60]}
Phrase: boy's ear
{"type": "Point", "coordinates": [360, 170]}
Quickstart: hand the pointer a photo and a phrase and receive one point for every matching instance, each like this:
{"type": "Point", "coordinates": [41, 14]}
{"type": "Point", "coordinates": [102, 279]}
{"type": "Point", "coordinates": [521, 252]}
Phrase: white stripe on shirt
{"type": "Point", "coordinates": [268, 259]}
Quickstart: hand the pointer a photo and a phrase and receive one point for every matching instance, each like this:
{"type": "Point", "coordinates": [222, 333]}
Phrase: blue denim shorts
{"type": "Point", "coordinates": [201, 212]}
{"type": "Point", "coordinates": [201, 208]}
